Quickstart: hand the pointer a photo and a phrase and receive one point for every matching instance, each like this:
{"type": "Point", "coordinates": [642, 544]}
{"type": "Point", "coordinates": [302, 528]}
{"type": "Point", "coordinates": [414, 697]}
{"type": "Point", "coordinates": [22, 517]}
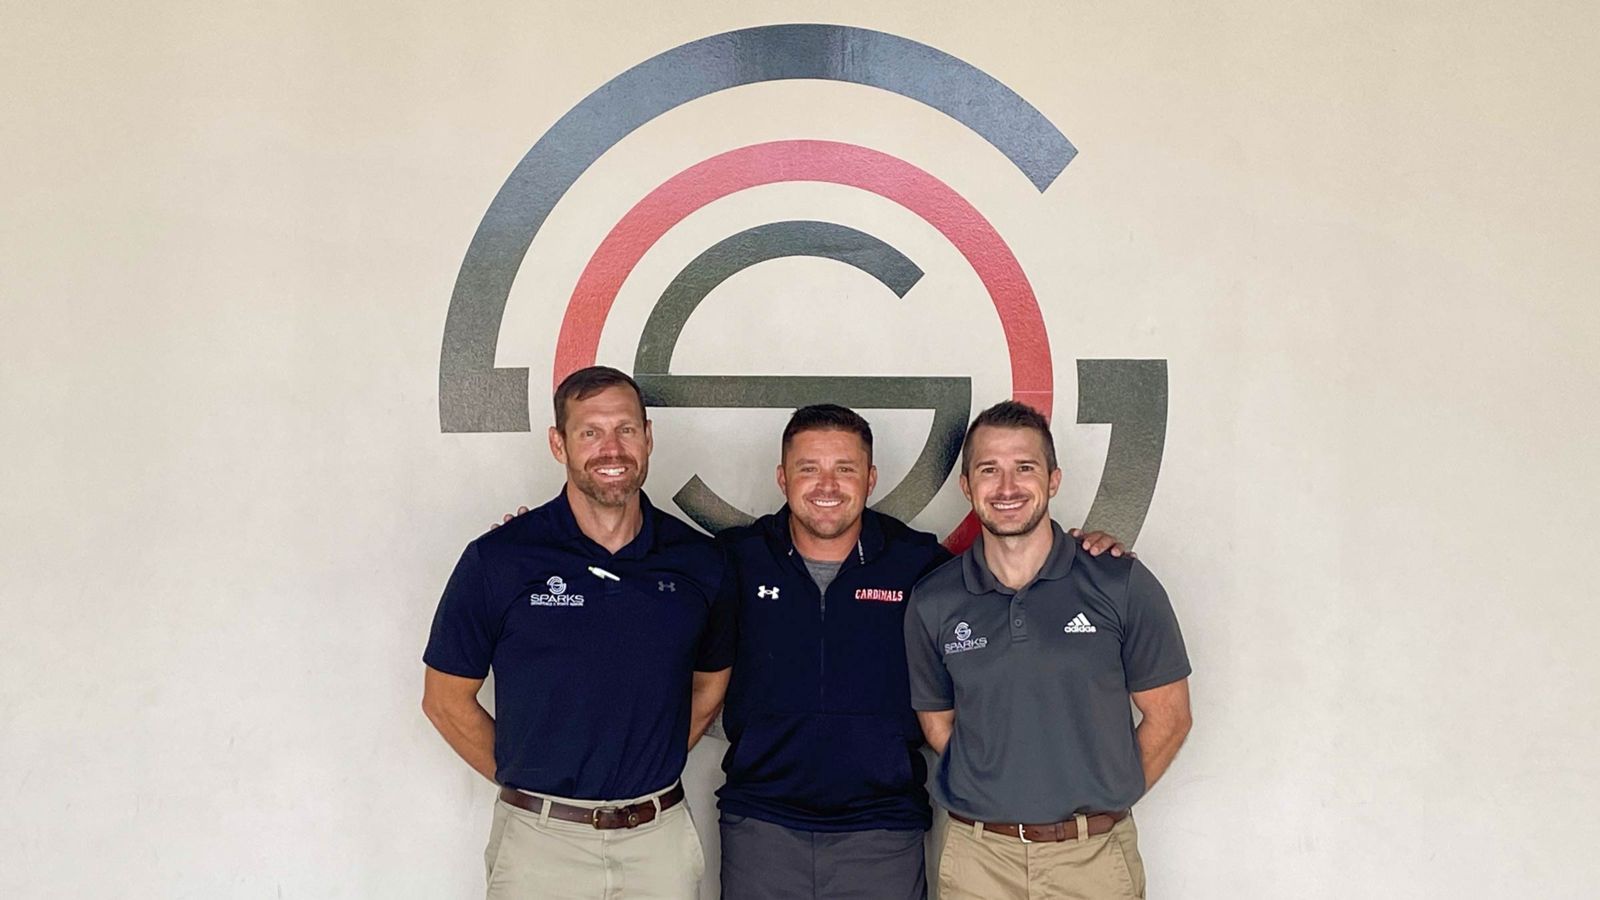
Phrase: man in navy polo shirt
{"type": "Point", "coordinates": [824, 794]}
{"type": "Point", "coordinates": [600, 618]}
{"type": "Point", "coordinates": [1024, 653]}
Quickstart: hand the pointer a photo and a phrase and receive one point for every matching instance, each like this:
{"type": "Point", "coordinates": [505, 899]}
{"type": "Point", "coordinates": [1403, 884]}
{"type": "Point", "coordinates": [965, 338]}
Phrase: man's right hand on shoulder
{"type": "Point", "coordinates": [509, 516]}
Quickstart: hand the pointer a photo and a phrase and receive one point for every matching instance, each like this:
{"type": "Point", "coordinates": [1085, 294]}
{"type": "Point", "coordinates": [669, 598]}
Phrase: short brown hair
{"type": "Point", "coordinates": [1010, 414]}
{"type": "Point", "coordinates": [827, 417]}
{"type": "Point", "coordinates": [585, 383]}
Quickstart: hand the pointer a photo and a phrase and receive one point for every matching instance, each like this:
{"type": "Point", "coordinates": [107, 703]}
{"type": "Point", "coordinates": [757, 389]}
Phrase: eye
{"type": "Point", "coordinates": [1025, 467]}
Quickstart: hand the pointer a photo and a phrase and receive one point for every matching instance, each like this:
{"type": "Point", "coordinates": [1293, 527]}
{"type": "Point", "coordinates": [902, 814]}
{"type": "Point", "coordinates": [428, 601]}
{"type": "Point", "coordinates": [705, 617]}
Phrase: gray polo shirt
{"type": "Point", "coordinates": [1039, 679]}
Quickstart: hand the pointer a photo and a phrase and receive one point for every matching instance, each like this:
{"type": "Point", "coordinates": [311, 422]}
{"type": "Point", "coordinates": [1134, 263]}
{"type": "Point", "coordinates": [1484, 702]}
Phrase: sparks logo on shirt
{"type": "Point", "coordinates": [880, 595]}
{"type": "Point", "coordinates": [965, 641]}
{"type": "Point", "coordinates": [558, 595]}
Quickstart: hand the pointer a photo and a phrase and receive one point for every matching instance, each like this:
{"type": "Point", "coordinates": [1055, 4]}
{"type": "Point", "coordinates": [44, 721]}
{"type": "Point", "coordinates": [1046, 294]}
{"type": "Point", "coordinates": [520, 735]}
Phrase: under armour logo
{"type": "Point", "coordinates": [667, 586]}
{"type": "Point", "coordinates": [765, 592]}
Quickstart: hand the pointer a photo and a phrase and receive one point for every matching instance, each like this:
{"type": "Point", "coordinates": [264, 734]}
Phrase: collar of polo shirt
{"type": "Point", "coordinates": [979, 580]}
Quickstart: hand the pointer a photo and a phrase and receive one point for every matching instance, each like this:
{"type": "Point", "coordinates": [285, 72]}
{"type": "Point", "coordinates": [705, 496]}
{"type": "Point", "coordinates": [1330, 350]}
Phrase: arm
{"type": "Point", "coordinates": [1166, 723]}
{"type": "Point", "coordinates": [705, 701]}
{"type": "Point", "coordinates": [936, 727]}
{"type": "Point", "coordinates": [451, 704]}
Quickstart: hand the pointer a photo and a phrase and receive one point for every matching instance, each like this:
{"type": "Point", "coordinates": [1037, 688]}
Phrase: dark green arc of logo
{"type": "Point", "coordinates": [950, 397]}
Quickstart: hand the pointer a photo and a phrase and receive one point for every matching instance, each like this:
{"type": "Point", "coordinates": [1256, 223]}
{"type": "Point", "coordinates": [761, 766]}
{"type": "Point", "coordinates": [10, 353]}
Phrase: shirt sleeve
{"type": "Point", "coordinates": [720, 639]}
{"type": "Point", "coordinates": [931, 688]}
{"type": "Point", "coordinates": [1152, 646]}
{"type": "Point", "coordinates": [464, 633]}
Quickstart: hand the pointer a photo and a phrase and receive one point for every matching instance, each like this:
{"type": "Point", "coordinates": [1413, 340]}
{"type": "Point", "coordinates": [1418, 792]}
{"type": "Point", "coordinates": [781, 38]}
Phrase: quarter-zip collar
{"type": "Point", "coordinates": [869, 543]}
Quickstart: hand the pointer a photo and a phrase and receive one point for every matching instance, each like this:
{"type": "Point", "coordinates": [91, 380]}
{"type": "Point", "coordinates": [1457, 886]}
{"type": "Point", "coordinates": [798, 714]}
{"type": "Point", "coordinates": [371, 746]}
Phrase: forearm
{"type": "Point", "coordinates": [1159, 740]}
{"type": "Point", "coordinates": [701, 719]}
{"type": "Point", "coordinates": [937, 727]}
{"type": "Point", "coordinates": [705, 701]}
{"type": "Point", "coordinates": [469, 730]}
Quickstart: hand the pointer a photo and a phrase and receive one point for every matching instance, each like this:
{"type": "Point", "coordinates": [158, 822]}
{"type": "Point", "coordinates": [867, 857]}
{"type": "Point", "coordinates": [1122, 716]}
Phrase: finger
{"type": "Point", "coordinates": [1075, 532]}
{"type": "Point", "coordinates": [522, 510]}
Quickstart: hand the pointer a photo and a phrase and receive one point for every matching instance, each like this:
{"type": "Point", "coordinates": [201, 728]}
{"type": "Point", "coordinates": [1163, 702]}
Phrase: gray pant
{"type": "Point", "coordinates": [763, 861]}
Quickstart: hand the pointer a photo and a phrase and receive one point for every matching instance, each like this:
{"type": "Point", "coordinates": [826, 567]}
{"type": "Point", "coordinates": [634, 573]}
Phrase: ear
{"type": "Point", "coordinates": [783, 481]}
{"type": "Point", "coordinates": [649, 438]}
{"type": "Point", "coordinates": [966, 489]}
{"type": "Point", "coordinates": [872, 479]}
{"type": "Point", "coordinates": [558, 446]}
{"type": "Point", "coordinates": [1055, 481]}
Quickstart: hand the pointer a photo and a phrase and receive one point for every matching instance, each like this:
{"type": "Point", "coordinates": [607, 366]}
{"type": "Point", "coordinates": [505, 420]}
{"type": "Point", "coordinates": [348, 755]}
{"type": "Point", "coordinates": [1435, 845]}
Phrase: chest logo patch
{"type": "Point", "coordinates": [765, 592]}
{"type": "Point", "coordinates": [880, 595]}
{"type": "Point", "coordinates": [1079, 625]}
{"type": "Point", "coordinates": [965, 641]}
{"type": "Point", "coordinates": [557, 595]}
{"type": "Point", "coordinates": [667, 586]}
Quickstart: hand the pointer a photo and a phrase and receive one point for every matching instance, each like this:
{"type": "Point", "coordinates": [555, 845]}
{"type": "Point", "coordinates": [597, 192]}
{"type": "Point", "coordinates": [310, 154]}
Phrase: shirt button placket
{"type": "Point", "coordinates": [1019, 619]}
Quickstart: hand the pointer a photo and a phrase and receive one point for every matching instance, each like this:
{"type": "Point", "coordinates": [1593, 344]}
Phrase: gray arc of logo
{"type": "Point", "coordinates": [950, 397]}
{"type": "Point", "coordinates": [474, 394]}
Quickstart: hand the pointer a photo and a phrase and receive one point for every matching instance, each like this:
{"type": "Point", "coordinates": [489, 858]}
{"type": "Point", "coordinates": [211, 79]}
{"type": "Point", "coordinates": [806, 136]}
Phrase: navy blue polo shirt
{"type": "Point", "coordinates": [592, 652]}
{"type": "Point", "coordinates": [818, 716]}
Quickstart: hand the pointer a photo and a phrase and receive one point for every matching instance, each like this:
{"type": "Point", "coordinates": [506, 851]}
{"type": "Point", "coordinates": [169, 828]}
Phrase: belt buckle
{"type": "Point", "coordinates": [629, 813]}
{"type": "Point", "coordinates": [1022, 832]}
{"type": "Point", "coordinates": [598, 811]}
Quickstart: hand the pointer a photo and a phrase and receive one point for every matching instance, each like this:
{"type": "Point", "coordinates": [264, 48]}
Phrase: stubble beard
{"type": "Point", "coordinates": [1014, 530]}
{"type": "Point", "coordinates": [816, 528]}
{"type": "Point", "coordinates": [612, 495]}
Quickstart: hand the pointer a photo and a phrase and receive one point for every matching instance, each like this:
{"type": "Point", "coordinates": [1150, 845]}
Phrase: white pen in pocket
{"type": "Point", "coordinates": [602, 573]}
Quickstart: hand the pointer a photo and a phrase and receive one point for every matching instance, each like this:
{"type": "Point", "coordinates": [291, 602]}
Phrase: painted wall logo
{"type": "Point", "coordinates": [476, 396]}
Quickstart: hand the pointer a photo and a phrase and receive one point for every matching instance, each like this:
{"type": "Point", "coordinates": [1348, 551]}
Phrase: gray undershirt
{"type": "Point", "coordinates": [822, 573]}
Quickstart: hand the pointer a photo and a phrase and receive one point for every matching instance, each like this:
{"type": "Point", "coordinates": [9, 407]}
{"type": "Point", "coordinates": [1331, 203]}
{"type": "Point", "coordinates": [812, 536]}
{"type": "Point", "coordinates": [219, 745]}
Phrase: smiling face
{"type": "Point", "coordinates": [605, 445]}
{"type": "Point", "coordinates": [1009, 480]}
{"type": "Point", "coordinates": [827, 475]}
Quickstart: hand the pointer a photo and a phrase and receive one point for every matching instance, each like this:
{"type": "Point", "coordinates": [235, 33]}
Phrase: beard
{"type": "Point", "coordinates": [1009, 529]}
{"type": "Point", "coordinates": [610, 493]}
{"type": "Point", "coordinates": [822, 528]}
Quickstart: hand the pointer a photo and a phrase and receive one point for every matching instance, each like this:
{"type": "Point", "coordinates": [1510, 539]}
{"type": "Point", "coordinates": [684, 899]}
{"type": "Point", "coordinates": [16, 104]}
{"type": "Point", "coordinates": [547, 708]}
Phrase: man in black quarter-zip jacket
{"type": "Point", "coordinates": [824, 794]}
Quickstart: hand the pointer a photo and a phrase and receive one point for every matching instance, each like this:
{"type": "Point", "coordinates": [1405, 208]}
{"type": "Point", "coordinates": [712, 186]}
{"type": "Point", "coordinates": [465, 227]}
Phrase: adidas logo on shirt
{"type": "Point", "coordinates": [1079, 625]}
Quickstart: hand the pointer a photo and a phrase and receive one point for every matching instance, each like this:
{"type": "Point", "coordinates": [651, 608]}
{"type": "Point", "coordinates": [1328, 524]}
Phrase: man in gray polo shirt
{"type": "Point", "coordinates": [1023, 653]}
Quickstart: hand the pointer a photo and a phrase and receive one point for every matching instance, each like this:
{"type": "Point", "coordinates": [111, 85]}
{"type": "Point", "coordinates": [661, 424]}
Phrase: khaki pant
{"type": "Point", "coordinates": [532, 856]}
{"type": "Point", "coordinates": [980, 865]}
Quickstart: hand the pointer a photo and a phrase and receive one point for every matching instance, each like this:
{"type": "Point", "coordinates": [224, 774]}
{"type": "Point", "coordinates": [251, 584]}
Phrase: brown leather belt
{"type": "Point", "coordinates": [1099, 823]}
{"type": "Point", "coordinates": [629, 816]}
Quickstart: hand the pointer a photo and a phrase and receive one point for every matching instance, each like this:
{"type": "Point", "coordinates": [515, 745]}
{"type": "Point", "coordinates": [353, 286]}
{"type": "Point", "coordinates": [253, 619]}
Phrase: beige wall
{"type": "Point", "coordinates": [1362, 234]}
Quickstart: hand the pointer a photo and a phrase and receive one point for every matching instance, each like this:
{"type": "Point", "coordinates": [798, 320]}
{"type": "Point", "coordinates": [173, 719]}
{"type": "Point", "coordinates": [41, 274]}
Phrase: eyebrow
{"type": "Point", "coordinates": [994, 461]}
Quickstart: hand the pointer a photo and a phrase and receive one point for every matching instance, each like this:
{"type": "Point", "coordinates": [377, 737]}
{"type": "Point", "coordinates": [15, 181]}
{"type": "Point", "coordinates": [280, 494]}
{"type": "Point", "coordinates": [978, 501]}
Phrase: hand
{"type": "Point", "coordinates": [1096, 542]}
{"type": "Point", "coordinates": [523, 509]}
